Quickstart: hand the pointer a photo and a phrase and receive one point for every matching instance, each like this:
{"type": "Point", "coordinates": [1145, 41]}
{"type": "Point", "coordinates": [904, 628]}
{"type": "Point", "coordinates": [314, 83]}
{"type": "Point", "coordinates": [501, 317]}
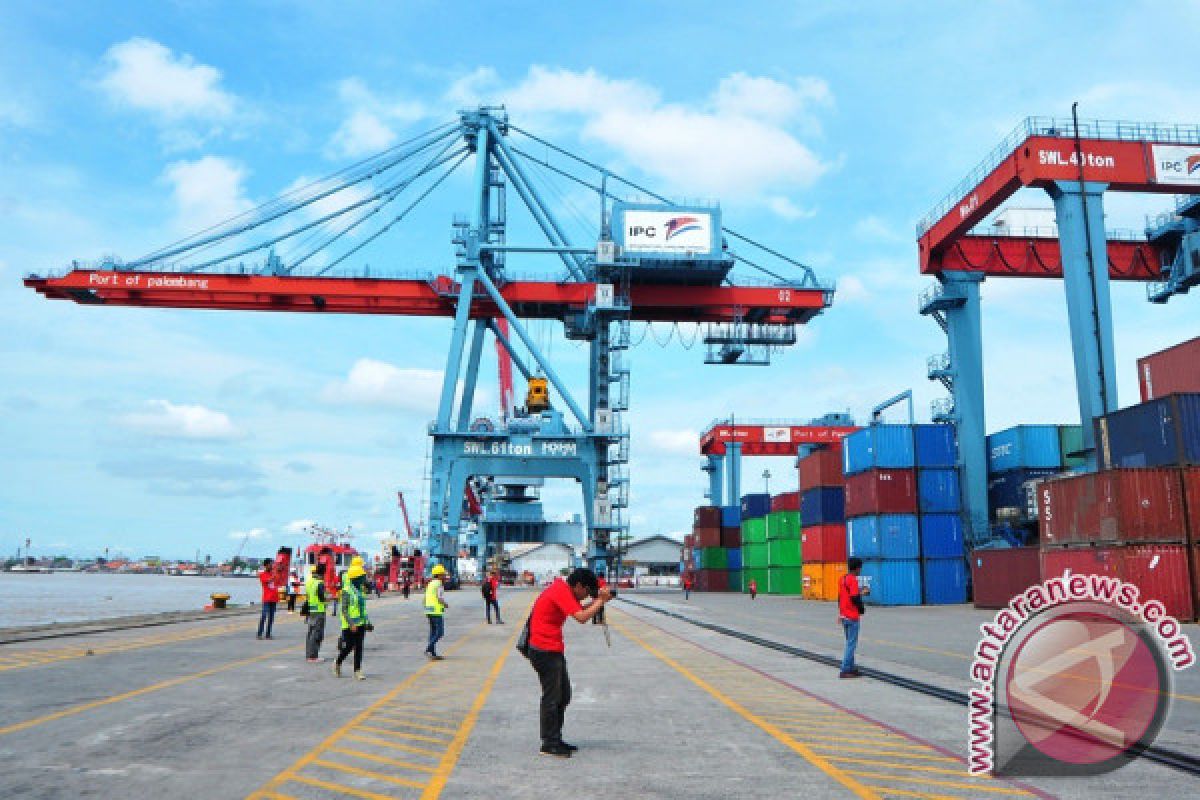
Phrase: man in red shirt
{"type": "Point", "coordinates": [561, 599]}
{"type": "Point", "coordinates": [491, 596]}
{"type": "Point", "coordinates": [850, 611]}
{"type": "Point", "coordinates": [270, 596]}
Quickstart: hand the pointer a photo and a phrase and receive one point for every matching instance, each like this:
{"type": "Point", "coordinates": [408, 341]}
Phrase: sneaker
{"type": "Point", "coordinates": [313, 660]}
{"type": "Point", "coordinates": [268, 636]}
{"type": "Point", "coordinates": [337, 670]}
{"type": "Point", "coordinates": [359, 676]}
{"type": "Point", "coordinates": [570, 747]}
{"type": "Point", "coordinates": [558, 750]}
{"type": "Point", "coordinates": [849, 675]}
{"type": "Point", "coordinates": [258, 637]}
{"type": "Point", "coordinates": [436, 657]}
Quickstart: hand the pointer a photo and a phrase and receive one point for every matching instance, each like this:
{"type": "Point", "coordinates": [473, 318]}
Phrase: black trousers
{"type": "Point", "coordinates": [551, 670]}
{"type": "Point", "coordinates": [489, 605]}
{"type": "Point", "coordinates": [352, 640]}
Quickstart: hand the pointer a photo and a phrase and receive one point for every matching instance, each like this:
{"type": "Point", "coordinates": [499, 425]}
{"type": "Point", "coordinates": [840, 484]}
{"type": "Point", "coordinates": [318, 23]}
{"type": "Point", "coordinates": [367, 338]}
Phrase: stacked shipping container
{"type": "Point", "coordinates": [712, 553]}
{"type": "Point", "coordinates": [822, 522]}
{"type": "Point", "coordinates": [1018, 458]}
{"type": "Point", "coordinates": [754, 511]}
{"type": "Point", "coordinates": [783, 545]}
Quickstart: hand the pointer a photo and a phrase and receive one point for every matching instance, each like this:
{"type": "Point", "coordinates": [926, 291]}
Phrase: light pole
{"type": "Point", "coordinates": [767, 481]}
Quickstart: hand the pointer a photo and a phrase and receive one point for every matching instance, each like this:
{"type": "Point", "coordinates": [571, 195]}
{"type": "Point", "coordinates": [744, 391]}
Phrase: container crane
{"type": "Point", "coordinates": [647, 260]}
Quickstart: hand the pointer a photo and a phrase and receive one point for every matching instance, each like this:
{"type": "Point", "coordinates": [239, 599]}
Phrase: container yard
{"type": "Point", "coordinates": [383, 484]}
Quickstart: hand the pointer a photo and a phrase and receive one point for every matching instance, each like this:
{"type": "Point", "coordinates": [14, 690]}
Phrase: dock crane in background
{"type": "Point", "coordinates": [641, 258]}
{"type": "Point", "coordinates": [1075, 163]}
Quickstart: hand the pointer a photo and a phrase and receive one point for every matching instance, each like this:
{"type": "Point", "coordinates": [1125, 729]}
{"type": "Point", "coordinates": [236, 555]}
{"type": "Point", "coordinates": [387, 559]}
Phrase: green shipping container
{"type": "Point", "coordinates": [714, 558]}
{"type": "Point", "coordinates": [759, 575]}
{"type": "Point", "coordinates": [783, 553]}
{"type": "Point", "coordinates": [1070, 440]}
{"type": "Point", "coordinates": [735, 580]}
{"type": "Point", "coordinates": [754, 530]}
{"type": "Point", "coordinates": [783, 525]}
{"type": "Point", "coordinates": [785, 580]}
{"type": "Point", "coordinates": [754, 555]}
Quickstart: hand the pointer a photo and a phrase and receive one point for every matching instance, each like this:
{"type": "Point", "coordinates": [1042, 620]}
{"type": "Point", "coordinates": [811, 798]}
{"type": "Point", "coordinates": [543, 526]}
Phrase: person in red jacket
{"type": "Point", "coordinates": [270, 597]}
{"type": "Point", "coordinates": [687, 586]}
{"type": "Point", "coordinates": [546, 652]}
{"type": "Point", "coordinates": [753, 588]}
{"type": "Point", "coordinates": [850, 611]}
{"type": "Point", "coordinates": [491, 596]}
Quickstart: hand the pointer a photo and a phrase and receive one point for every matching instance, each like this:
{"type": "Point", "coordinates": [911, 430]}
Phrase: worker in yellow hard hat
{"type": "Point", "coordinates": [435, 609]}
{"type": "Point", "coordinates": [355, 623]}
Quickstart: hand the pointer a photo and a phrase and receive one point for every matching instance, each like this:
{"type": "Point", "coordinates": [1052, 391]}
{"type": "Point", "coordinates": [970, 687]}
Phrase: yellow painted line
{"type": "Point", "coordinates": [392, 762]}
{"type": "Point", "coordinates": [803, 750]}
{"type": "Point", "coordinates": [891, 746]}
{"type": "Point", "coordinates": [403, 734]}
{"type": "Point", "coordinates": [424, 751]}
{"type": "Point", "coordinates": [454, 751]}
{"type": "Point", "coordinates": [876, 751]}
{"type": "Point", "coordinates": [366, 773]}
{"type": "Point", "coordinates": [79, 709]}
{"type": "Point", "coordinates": [341, 790]}
{"type": "Point", "coordinates": [279, 796]}
{"type": "Point", "coordinates": [915, 767]}
{"type": "Point", "coordinates": [410, 724]}
{"type": "Point", "coordinates": [43, 656]}
{"type": "Point", "coordinates": [416, 714]}
{"type": "Point", "coordinates": [405, 717]}
{"type": "Point", "coordinates": [952, 784]}
{"type": "Point", "coordinates": [923, 795]}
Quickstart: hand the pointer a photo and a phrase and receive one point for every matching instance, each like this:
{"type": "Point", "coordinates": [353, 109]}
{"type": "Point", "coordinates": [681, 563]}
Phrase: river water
{"type": "Point", "coordinates": [36, 598]}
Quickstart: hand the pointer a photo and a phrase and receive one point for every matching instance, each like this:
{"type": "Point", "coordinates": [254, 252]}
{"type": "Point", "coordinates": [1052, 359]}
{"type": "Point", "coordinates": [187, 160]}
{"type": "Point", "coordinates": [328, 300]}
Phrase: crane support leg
{"type": "Point", "coordinates": [1080, 213]}
{"type": "Point", "coordinates": [472, 376]}
{"type": "Point", "coordinates": [716, 479]}
{"type": "Point", "coordinates": [733, 454]}
{"type": "Point", "coordinates": [965, 334]}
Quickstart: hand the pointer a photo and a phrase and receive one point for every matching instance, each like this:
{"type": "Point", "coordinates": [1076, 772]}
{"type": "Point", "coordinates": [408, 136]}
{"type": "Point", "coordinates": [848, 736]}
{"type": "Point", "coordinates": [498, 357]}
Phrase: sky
{"type": "Point", "coordinates": [824, 129]}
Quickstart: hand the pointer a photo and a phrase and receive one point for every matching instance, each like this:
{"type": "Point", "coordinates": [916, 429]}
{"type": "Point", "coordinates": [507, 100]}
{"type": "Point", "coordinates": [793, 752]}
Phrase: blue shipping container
{"type": "Point", "coordinates": [937, 491]}
{"type": "Point", "coordinates": [823, 505]}
{"type": "Point", "coordinates": [893, 583]}
{"type": "Point", "coordinates": [883, 536]}
{"type": "Point", "coordinates": [941, 536]}
{"type": "Point", "coordinates": [1007, 489]}
{"type": "Point", "coordinates": [878, 447]}
{"type": "Point", "coordinates": [733, 558]}
{"type": "Point", "coordinates": [755, 505]}
{"type": "Point", "coordinates": [935, 445]}
{"type": "Point", "coordinates": [1024, 446]}
{"type": "Point", "coordinates": [731, 516]}
{"type": "Point", "coordinates": [1161, 433]}
{"type": "Point", "coordinates": [945, 580]}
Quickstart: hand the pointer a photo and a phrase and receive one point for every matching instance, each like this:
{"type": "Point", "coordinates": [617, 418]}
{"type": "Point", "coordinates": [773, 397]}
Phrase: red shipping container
{"type": "Point", "coordinates": [712, 580]}
{"type": "Point", "coordinates": [1191, 499]}
{"type": "Point", "coordinates": [1175, 370]}
{"type": "Point", "coordinates": [882, 491]}
{"type": "Point", "coordinates": [1000, 575]}
{"type": "Point", "coordinates": [689, 541]}
{"type": "Point", "coordinates": [822, 468]}
{"type": "Point", "coordinates": [788, 501]}
{"type": "Point", "coordinates": [823, 544]}
{"type": "Point", "coordinates": [731, 537]}
{"type": "Point", "coordinates": [1161, 572]}
{"type": "Point", "coordinates": [1119, 505]}
{"type": "Point", "coordinates": [707, 517]}
{"type": "Point", "coordinates": [708, 537]}
{"type": "Point", "coordinates": [1078, 561]}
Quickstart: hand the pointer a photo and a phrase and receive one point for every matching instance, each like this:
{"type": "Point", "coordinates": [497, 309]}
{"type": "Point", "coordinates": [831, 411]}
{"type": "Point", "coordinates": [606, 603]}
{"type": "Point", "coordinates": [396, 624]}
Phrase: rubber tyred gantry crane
{"type": "Point", "coordinates": [1075, 163]}
{"type": "Point", "coordinates": [646, 260]}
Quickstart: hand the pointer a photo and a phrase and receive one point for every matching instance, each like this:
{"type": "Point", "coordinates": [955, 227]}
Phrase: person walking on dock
{"type": "Point", "coordinates": [406, 586]}
{"type": "Point", "coordinates": [314, 589]}
{"type": "Point", "coordinates": [491, 596]}
{"type": "Point", "coordinates": [435, 610]}
{"type": "Point", "coordinates": [687, 587]}
{"type": "Point", "coordinates": [270, 598]}
{"type": "Point", "coordinates": [547, 653]}
{"type": "Point", "coordinates": [753, 588]}
{"type": "Point", "coordinates": [850, 611]}
{"type": "Point", "coordinates": [355, 622]}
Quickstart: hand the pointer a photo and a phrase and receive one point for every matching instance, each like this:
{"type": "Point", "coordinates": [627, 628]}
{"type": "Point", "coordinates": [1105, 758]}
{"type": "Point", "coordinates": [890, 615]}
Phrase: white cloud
{"type": "Point", "coordinates": [147, 76]}
{"type": "Point", "coordinates": [165, 419]}
{"type": "Point", "coordinates": [253, 533]}
{"type": "Point", "coordinates": [368, 128]}
{"type": "Point", "coordinates": [377, 383]}
{"type": "Point", "coordinates": [340, 199]}
{"type": "Point", "coordinates": [786, 209]}
{"type": "Point", "coordinates": [206, 191]}
{"type": "Point", "coordinates": [298, 526]}
{"type": "Point", "coordinates": [675, 442]}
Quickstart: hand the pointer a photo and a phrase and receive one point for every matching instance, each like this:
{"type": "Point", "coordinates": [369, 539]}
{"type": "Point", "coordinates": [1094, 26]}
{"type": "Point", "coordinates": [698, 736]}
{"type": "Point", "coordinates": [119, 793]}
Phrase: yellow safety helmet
{"type": "Point", "coordinates": [355, 571]}
{"type": "Point", "coordinates": [357, 561]}
{"type": "Point", "coordinates": [438, 569]}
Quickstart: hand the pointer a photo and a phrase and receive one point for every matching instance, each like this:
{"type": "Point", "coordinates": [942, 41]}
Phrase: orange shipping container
{"type": "Point", "coordinates": [821, 580]}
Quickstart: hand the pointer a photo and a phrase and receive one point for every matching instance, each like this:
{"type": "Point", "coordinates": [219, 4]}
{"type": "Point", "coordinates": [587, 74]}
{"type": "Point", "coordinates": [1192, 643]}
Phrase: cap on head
{"type": "Point", "coordinates": [357, 561]}
{"type": "Point", "coordinates": [438, 569]}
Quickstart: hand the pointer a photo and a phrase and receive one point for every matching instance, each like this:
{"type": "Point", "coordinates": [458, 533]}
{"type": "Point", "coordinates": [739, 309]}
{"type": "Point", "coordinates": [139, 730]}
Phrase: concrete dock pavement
{"type": "Point", "coordinates": [669, 710]}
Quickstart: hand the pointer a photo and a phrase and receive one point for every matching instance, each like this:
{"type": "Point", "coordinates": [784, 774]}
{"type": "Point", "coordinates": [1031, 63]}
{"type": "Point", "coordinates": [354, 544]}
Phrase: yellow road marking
{"type": "Point", "coordinates": [44, 656]}
{"type": "Point", "coordinates": [408, 748]}
{"type": "Point", "coordinates": [419, 724]}
{"type": "Point", "coordinates": [917, 748]}
{"type": "Point", "coordinates": [876, 751]}
{"type": "Point", "coordinates": [392, 762]}
{"type": "Point", "coordinates": [438, 782]}
{"type": "Point", "coordinates": [923, 795]}
{"type": "Point", "coordinates": [953, 784]}
{"type": "Point", "coordinates": [341, 790]}
{"type": "Point", "coordinates": [402, 734]}
{"type": "Point", "coordinates": [366, 773]}
{"type": "Point", "coordinates": [803, 750]}
{"type": "Point", "coordinates": [917, 768]}
{"type": "Point", "coordinates": [418, 715]}
{"type": "Point", "coordinates": [79, 709]}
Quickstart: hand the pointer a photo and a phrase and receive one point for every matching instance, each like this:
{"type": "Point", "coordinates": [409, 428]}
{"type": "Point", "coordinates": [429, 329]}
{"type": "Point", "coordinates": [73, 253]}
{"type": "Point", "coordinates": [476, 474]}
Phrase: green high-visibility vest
{"type": "Point", "coordinates": [315, 604]}
{"type": "Point", "coordinates": [433, 606]}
